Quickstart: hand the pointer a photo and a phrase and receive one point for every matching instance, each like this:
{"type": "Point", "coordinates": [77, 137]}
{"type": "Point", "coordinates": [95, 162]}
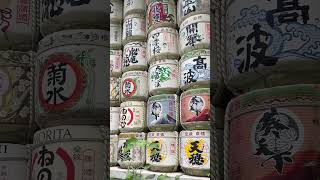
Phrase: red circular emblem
{"type": "Point", "coordinates": [129, 87]}
{"type": "Point", "coordinates": [60, 83]}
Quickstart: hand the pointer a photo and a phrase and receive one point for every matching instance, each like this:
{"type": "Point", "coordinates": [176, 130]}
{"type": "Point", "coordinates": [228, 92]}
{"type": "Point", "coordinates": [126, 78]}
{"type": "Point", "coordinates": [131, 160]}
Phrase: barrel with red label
{"type": "Point", "coordinates": [134, 86]}
{"type": "Point", "coordinates": [71, 78]}
{"type": "Point", "coordinates": [17, 22]}
{"type": "Point", "coordinates": [195, 109]}
{"type": "Point", "coordinates": [14, 159]}
{"type": "Point", "coordinates": [161, 13]}
{"type": "Point", "coordinates": [274, 131]}
{"type": "Point", "coordinates": [133, 116]}
{"type": "Point", "coordinates": [15, 95]}
{"type": "Point", "coordinates": [271, 43]}
{"type": "Point", "coordinates": [71, 152]}
{"type": "Point", "coordinates": [81, 14]}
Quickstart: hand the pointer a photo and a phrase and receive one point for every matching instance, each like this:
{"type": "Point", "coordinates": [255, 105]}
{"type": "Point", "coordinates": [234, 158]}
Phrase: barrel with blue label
{"type": "Point", "coordinates": [72, 14]}
{"type": "Point", "coordinates": [15, 95]}
{"type": "Point", "coordinates": [71, 78]}
{"type": "Point", "coordinates": [272, 43]}
{"type": "Point", "coordinates": [276, 132]}
{"type": "Point", "coordinates": [17, 20]}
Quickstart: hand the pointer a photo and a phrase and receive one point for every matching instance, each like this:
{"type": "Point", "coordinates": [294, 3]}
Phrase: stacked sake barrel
{"type": "Point", "coordinates": [270, 56]}
{"type": "Point", "coordinates": [16, 31]}
{"type": "Point", "coordinates": [70, 91]}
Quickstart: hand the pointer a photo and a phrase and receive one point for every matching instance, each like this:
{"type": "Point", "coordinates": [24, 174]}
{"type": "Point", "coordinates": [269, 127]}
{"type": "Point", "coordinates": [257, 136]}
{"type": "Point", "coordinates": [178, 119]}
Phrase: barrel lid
{"type": "Point", "coordinates": [140, 135]}
{"type": "Point", "coordinates": [135, 73]}
{"type": "Point", "coordinates": [162, 30]}
{"type": "Point", "coordinates": [69, 133]}
{"type": "Point", "coordinates": [162, 96]}
{"type": "Point", "coordinates": [195, 53]}
{"type": "Point", "coordinates": [163, 134]}
{"type": "Point", "coordinates": [282, 96]}
{"type": "Point", "coordinates": [195, 134]}
{"type": "Point", "coordinates": [164, 61]}
{"type": "Point", "coordinates": [79, 36]}
{"type": "Point", "coordinates": [136, 43]}
{"type": "Point", "coordinates": [195, 91]}
{"type": "Point", "coordinates": [195, 18]}
{"type": "Point", "coordinates": [133, 103]}
{"type": "Point", "coordinates": [15, 58]}
{"type": "Point", "coordinates": [12, 151]}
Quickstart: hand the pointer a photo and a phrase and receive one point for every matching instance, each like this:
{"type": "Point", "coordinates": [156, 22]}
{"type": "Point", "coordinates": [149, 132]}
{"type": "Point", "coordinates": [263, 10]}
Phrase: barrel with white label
{"type": "Point", "coordinates": [116, 11]}
{"type": "Point", "coordinates": [133, 155]}
{"type": "Point", "coordinates": [268, 42]}
{"type": "Point", "coordinates": [195, 69]}
{"type": "Point", "coordinates": [115, 91]}
{"type": "Point", "coordinates": [114, 140]}
{"type": "Point", "coordinates": [274, 131]}
{"type": "Point", "coordinates": [62, 15]}
{"type": "Point", "coordinates": [163, 112]}
{"type": "Point", "coordinates": [161, 14]}
{"type": "Point", "coordinates": [195, 33]}
{"type": "Point", "coordinates": [187, 8]}
{"type": "Point", "coordinates": [115, 63]}
{"type": "Point", "coordinates": [71, 78]}
{"type": "Point", "coordinates": [162, 44]}
{"type": "Point", "coordinates": [69, 152]}
{"type": "Point", "coordinates": [15, 94]}
{"type": "Point", "coordinates": [14, 161]}
{"type": "Point", "coordinates": [134, 7]}
{"type": "Point", "coordinates": [134, 86]}
{"type": "Point", "coordinates": [163, 151]}
{"type": "Point", "coordinates": [134, 28]}
{"type": "Point", "coordinates": [134, 57]}
{"type": "Point", "coordinates": [133, 116]}
{"type": "Point", "coordinates": [114, 120]}
{"type": "Point", "coordinates": [195, 152]}
{"type": "Point", "coordinates": [164, 77]}
{"type": "Point", "coordinates": [17, 19]}
{"type": "Point", "coordinates": [195, 109]}
{"type": "Point", "coordinates": [115, 36]}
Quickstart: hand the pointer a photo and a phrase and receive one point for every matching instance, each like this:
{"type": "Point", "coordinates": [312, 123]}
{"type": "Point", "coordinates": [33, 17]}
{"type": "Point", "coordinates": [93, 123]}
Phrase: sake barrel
{"type": "Point", "coordinates": [71, 78]}
{"type": "Point", "coordinates": [195, 109]}
{"type": "Point", "coordinates": [187, 8]}
{"type": "Point", "coordinates": [134, 86]}
{"type": "Point", "coordinates": [134, 56]}
{"type": "Point", "coordinates": [115, 63]}
{"type": "Point", "coordinates": [16, 23]}
{"type": "Point", "coordinates": [14, 161]}
{"type": "Point", "coordinates": [162, 44]}
{"type": "Point", "coordinates": [195, 69]}
{"type": "Point", "coordinates": [163, 112]}
{"type": "Point", "coordinates": [133, 116]}
{"type": "Point", "coordinates": [114, 120]}
{"type": "Point", "coordinates": [161, 14]}
{"type": "Point", "coordinates": [195, 152]}
{"type": "Point", "coordinates": [274, 131]}
{"type": "Point", "coordinates": [133, 157]}
{"type": "Point", "coordinates": [115, 91]}
{"type": "Point", "coordinates": [163, 151]}
{"type": "Point", "coordinates": [267, 44]}
{"type": "Point", "coordinates": [134, 6]}
{"type": "Point", "coordinates": [15, 94]}
{"type": "Point", "coordinates": [194, 33]}
{"type": "Point", "coordinates": [134, 28]}
{"type": "Point", "coordinates": [115, 36]}
{"type": "Point", "coordinates": [164, 77]}
{"type": "Point", "coordinates": [116, 11]}
{"type": "Point", "coordinates": [62, 15]}
{"type": "Point", "coordinates": [114, 139]}
{"type": "Point", "coordinates": [69, 152]}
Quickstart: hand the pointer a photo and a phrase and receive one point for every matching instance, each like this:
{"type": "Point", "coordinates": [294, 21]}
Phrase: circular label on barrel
{"type": "Point", "coordinates": [129, 87]}
{"type": "Point", "coordinates": [60, 83]}
{"type": "Point", "coordinates": [195, 107]}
